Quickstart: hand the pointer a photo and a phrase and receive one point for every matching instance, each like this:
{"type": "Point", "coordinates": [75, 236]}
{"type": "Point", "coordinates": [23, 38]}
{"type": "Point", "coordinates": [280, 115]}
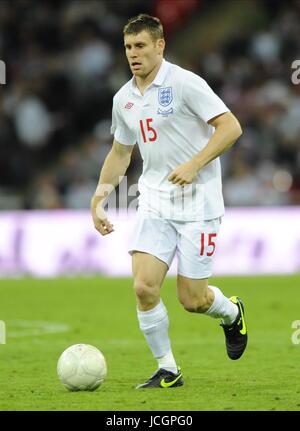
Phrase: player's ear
{"type": "Point", "coordinates": [161, 45]}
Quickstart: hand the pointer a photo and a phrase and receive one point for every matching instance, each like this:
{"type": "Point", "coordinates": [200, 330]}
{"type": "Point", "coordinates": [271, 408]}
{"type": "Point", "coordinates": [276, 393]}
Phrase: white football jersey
{"type": "Point", "coordinates": [169, 123]}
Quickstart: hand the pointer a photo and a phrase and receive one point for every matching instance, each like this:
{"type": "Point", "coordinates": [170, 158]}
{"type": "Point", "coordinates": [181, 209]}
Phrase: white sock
{"type": "Point", "coordinates": [155, 324]}
{"type": "Point", "coordinates": [222, 307]}
{"type": "Point", "coordinates": [167, 362]}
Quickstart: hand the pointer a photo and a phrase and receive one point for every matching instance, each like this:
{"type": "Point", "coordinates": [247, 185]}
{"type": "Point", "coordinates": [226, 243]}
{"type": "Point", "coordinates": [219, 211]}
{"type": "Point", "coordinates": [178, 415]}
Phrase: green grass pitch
{"type": "Point", "coordinates": [43, 317]}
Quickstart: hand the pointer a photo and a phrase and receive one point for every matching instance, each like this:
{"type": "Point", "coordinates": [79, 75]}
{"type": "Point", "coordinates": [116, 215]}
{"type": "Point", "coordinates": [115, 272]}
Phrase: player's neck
{"type": "Point", "coordinates": [143, 82]}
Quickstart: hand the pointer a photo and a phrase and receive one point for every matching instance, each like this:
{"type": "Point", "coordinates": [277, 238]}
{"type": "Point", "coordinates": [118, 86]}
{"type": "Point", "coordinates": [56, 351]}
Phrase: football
{"type": "Point", "coordinates": [81, 367]}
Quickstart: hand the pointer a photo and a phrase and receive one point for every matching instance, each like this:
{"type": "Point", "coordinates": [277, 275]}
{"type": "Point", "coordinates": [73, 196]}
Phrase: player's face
{"type": "Point", "coordinates": [143, 53]}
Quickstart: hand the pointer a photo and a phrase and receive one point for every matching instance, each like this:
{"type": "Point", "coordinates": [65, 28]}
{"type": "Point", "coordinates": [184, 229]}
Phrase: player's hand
{"type": "Point", "coordinates": [184, 174]}
{"type": "Point", "coordinates": [101, 222]}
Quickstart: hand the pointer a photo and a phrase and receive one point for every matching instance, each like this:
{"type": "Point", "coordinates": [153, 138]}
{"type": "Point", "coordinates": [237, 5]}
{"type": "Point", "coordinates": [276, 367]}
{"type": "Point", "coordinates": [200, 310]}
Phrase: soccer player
{"type": "Point", "coordinates": [181, 127]}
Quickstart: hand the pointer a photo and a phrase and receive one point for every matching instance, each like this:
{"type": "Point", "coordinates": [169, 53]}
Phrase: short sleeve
{"type": "Point", "coordinates": [119, 129]}
{"type": "Point", "coordinates": [200, 99]}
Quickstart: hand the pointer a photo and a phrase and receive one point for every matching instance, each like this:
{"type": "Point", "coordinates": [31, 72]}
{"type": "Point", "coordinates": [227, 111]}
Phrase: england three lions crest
{"type": "Point", "coordinates": [165, 96]}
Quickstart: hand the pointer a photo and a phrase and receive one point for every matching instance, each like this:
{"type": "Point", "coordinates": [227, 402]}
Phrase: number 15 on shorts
{"type": "Point", "coordinates": [207, 244]}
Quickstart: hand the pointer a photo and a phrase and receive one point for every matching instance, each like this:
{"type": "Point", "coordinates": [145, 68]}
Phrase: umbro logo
{"type": "Point", "coordinates": [128, 105]}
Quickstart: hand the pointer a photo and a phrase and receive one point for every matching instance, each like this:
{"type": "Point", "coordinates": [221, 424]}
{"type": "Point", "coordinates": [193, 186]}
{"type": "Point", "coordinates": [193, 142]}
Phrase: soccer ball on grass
{"type": "Point", "coordinates": [81, 367]}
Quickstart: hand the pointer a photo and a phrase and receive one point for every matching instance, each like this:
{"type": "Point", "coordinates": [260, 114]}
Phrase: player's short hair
{"type": "Point", "coordinates": [141, 22]}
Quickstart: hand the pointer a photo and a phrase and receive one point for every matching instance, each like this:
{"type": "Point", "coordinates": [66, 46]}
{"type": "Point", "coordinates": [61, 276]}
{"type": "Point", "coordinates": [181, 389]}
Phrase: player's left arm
{"type": "Point", "coordinates": [227, 131]}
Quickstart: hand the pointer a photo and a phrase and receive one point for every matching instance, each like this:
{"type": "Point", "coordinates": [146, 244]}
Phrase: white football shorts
{"type": "Point", "coordinates": [193, 241]}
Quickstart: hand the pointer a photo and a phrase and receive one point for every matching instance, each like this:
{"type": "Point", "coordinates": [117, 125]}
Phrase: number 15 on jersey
{"type": "Point", "coordinates": [148, 132]}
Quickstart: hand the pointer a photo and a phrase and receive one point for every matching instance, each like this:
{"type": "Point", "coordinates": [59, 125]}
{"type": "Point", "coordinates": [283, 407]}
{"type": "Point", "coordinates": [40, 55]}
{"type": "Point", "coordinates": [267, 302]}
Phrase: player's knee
{"type": "Point", "coordinates": [194, 305]}
{"type": "Point", "coordinates": [145, 290]}
{"type": "Point", "coordinates": [191, 308]}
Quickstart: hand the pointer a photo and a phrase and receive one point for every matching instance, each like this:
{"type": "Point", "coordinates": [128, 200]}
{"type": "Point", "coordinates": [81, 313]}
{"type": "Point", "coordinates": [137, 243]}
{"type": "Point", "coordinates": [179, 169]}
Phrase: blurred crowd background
{"type": "Point", "coordinates": [65, 60]}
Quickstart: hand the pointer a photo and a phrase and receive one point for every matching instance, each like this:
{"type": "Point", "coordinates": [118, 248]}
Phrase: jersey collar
{"type": "Point", "coordinates": [162, 73]}
{"type": "Point", "coordinates": [158, 80]}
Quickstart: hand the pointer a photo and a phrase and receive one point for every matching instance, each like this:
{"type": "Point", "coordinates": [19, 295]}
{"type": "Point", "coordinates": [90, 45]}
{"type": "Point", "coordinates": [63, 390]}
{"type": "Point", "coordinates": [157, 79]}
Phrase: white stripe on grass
{"type": "Point", "coordinates": [33, 328]}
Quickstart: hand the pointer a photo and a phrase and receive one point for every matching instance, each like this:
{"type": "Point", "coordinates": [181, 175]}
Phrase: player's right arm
{"type": "Point", "coordinates": [114, 168]}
